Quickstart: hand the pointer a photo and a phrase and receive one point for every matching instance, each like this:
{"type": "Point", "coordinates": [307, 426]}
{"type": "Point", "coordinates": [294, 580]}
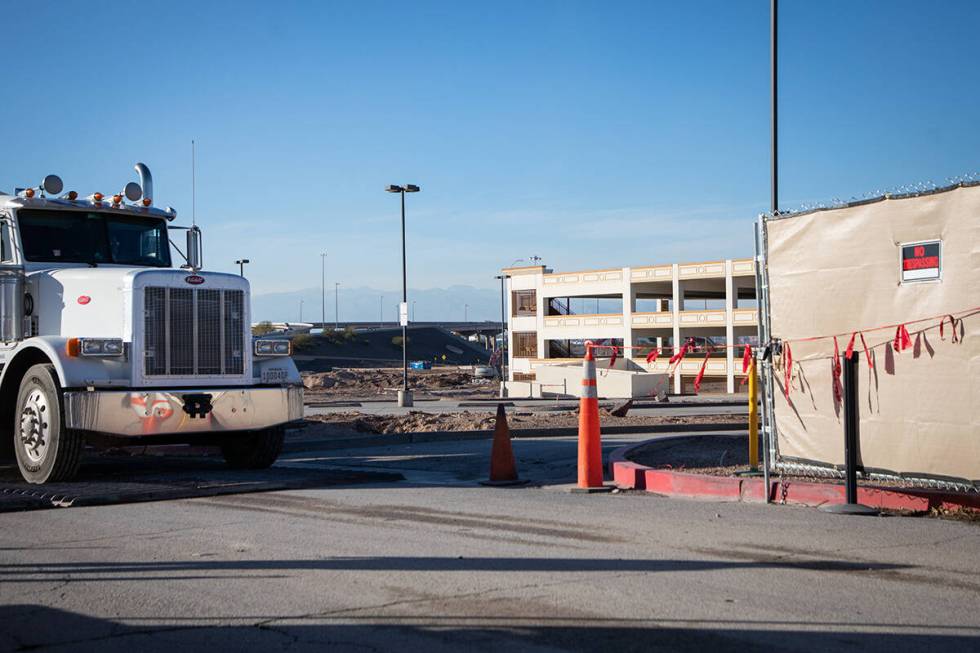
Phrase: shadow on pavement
{"type": "Point", "coordinates": [112, 478]}
{"type": "Point", "coordinates": [109, 480]}
{"type": "Point", "coordinates": [30, 627]}
{"type": "Point", "coordinates": [83, 571]}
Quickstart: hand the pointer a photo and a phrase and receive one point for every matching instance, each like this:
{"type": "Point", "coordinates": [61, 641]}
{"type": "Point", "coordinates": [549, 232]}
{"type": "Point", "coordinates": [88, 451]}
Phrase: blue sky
{"type": "Point", "coordinates": [587, 133]}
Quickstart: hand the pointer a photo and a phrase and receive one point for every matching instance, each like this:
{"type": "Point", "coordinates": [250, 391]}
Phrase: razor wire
{"type": "Point", "coordinates": [903, 191]}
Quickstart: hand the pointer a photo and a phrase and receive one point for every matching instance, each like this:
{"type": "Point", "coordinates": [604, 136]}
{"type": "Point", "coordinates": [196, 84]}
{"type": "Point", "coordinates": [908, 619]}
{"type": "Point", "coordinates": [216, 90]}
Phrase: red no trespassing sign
{"type": "Point", "coordinates": [922, 261]}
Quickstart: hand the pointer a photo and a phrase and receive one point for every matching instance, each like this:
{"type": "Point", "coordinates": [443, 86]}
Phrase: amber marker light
{"type": "Point", "coordinates": [28, 193]}
{"type": "Point", "coordinates": [117, 199]}
{"type": "Point", "coordinates": [147, 201]}
{"type": "Point", "coordinates": [73, 347]}
{"type": "Point", "coordinates": [72, 196]}
{"type": "Point", "coordinates": [98, 197]}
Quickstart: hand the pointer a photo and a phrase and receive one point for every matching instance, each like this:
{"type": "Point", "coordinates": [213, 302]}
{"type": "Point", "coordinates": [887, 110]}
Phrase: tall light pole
{"type": "Point", "coordinates": [301, 310]}
{"type": "Point", "coordinates": [241, 266]}
{"type": "Point", "coordinates": [381, 311]}
{"type": "Point", "coordinates": [503, 338]}
{"type": "Point", "coordinates": [405, 395]}
{"type": "Point", "coordinates": [336, 305]}
{"type": "Point", "coordinates": [323, 291]}
{"type": "Point", "coordinates": [413, 310]}
{"type": "Point", "coordinates": [466, 310]}
{"type": "Point", "coordinates": [774, 108]}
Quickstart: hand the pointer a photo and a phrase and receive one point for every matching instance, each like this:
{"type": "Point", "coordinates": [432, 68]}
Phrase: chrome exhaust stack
{"type": "Point", "coordinates": [146, 181]}
{"type": "Point", "coordinates": [195, 253]}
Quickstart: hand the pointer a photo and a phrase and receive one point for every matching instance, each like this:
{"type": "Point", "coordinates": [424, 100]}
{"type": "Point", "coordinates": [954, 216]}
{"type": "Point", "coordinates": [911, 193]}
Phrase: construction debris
{"type": "Point", "coordinates": [423, 422]}
{"type": "Point", "coordinates": [622, 409]}
{"type": "Point", "coordinates": [367, 382]}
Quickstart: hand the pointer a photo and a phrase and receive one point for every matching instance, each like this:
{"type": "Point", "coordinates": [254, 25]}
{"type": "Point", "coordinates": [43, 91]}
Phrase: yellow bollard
{"type": "Point", "coordinates": [753, 420]}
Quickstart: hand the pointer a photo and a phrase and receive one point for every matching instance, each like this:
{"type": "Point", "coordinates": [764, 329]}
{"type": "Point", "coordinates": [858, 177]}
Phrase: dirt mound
{"type": "Point", "coordinates": [382, 347]}
{"type": "Point", "coordinates": [414, 422]}
{"type": "Point", "coordinates": [365, 382]}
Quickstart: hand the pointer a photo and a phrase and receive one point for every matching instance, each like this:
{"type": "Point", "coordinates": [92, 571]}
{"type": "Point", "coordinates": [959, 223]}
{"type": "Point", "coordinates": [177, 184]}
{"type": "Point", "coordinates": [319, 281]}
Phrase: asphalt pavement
{"type": "Point", "coordinates": [676, 408]}
{"type": "Point", "coordinates": [436, 562]}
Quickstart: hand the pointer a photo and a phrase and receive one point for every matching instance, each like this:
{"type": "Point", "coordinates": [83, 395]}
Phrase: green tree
{"type": "Point", "coordinates": [262, 328]}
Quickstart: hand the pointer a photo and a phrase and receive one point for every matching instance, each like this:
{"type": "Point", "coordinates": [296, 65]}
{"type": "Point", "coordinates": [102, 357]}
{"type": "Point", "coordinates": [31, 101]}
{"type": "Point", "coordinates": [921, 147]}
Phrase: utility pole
{"type": "Point", "coordinates": [503, 339]}
{"type": "Point", "coordinates": [323, 291]}
{"type": "Point", "coordinates": [774, 108]}
{"type": "Point", "coordinates": [774, 209]}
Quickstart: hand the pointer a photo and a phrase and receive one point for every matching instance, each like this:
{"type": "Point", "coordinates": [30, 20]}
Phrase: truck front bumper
{"type": "Point", "coordinates": [194, 410]}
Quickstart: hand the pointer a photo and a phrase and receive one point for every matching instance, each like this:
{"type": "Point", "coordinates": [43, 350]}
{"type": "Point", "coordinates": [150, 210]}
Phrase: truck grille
{"type": "Point", "coordinates": [193, 331]}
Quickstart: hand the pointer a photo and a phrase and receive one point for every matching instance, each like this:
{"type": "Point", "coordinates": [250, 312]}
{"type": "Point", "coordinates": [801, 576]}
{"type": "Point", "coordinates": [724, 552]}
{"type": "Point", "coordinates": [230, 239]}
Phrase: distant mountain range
{"type": "Point", "coordinates": [369, 304]}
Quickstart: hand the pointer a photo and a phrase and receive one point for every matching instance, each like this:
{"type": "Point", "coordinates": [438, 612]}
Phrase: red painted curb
{"type": "Point", "coordinates": [630, 475]}
{"type": "Point", "coordinates": [692, 485]}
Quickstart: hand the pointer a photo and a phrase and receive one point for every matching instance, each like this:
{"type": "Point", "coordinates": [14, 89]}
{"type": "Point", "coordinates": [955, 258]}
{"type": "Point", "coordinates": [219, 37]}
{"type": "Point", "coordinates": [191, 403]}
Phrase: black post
{"type": "Point", "coordinates": [852, 425]}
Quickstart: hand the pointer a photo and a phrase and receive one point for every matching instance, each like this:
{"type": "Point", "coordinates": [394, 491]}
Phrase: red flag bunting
{"type": "Point", "coordinates": [697, 379]}
{"type": "Point", "coordinates": [788, 356]}
{"type": "Point", "coordinates": [867, 352]}
{"type": "Point", "coordinates": [952, 326]}
{"type": "Point", "coordinates": [746, 358]}
{"type": "Point", "coordinates": [612, 359]}
{"type": "Point", "coordinates": [680, 354]}
{"type": "Point", "coordinates": [850, 347]}
{"type": "Point", "coordinates": [902, 339]}
{"type": "Point", "coordinates": [836, 369]}
{"type": "Point", "coordinates": [652, 356]}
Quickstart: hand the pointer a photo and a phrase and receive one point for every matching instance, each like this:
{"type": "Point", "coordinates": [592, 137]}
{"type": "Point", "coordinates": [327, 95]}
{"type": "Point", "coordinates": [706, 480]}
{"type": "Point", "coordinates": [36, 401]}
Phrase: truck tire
{"type": "Point", "coordinates": [256, 450]}
{"type": "Point", "coordinates": [46, 451]}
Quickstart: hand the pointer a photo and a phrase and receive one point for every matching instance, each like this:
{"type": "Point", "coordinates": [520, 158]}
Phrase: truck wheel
{"type": "Point", "coordinates": [46, 451]}
{"type": "Point", "coordinates": [256, 450]}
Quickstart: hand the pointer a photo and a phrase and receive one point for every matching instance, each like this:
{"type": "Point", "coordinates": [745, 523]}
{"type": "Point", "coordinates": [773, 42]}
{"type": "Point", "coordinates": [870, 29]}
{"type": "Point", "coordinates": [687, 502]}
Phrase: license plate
{"type": "Point", "coordinates": [273, 375]}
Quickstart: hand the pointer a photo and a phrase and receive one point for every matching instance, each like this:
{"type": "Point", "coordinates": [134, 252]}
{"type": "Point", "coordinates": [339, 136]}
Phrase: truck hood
{"type": "Point", "coordinates": [98, 302]}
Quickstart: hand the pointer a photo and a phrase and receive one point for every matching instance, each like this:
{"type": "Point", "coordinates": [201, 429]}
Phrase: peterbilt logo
{"type": "Point", "coordinates": [194, 280]}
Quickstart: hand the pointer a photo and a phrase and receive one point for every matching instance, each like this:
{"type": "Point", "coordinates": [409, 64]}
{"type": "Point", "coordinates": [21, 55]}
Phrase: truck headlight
{"type": "Point", "coordinates": [273, 348]}
{"type": "Point", "coordinates": [94, 347]}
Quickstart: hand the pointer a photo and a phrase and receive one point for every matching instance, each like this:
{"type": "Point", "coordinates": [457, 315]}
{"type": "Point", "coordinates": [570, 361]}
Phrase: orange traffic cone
{"type": "Point", "coordinates": [503, 469]}
{"type": "Point", "coordinates": [589, 438]}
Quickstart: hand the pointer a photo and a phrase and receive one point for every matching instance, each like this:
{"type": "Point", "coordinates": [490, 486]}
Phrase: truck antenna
{"type": "Point", "coordinates": [193, 185]}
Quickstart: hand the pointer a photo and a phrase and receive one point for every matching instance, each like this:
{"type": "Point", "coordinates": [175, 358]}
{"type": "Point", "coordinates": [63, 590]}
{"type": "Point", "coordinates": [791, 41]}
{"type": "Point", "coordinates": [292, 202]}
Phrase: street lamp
{"type": "Point", "coordinates": [241, 266]}
{"type": "Point", "coordinates": [323, 291]}
{"type": "Point", "coordinates": [336, 305]}
{"type": "Point", "coordinates": [503, 337]}
{"type": "Point", "coordinates": [466, 310]}
{"type": "Point", "coordinates": [404, 395]}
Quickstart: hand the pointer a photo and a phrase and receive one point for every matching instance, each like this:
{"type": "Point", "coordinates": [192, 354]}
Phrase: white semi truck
{"type": "Point", "coordinates": [103, 340]}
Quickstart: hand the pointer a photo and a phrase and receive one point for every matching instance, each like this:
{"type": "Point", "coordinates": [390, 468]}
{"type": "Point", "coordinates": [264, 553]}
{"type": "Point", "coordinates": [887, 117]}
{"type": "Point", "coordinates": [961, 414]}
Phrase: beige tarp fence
{"type": "Point", "coordinates": [836, 271]}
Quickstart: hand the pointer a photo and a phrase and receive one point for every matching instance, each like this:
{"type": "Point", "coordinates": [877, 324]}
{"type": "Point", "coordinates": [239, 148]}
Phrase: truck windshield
{"type": "Point", "coordinates": [83, 237]}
